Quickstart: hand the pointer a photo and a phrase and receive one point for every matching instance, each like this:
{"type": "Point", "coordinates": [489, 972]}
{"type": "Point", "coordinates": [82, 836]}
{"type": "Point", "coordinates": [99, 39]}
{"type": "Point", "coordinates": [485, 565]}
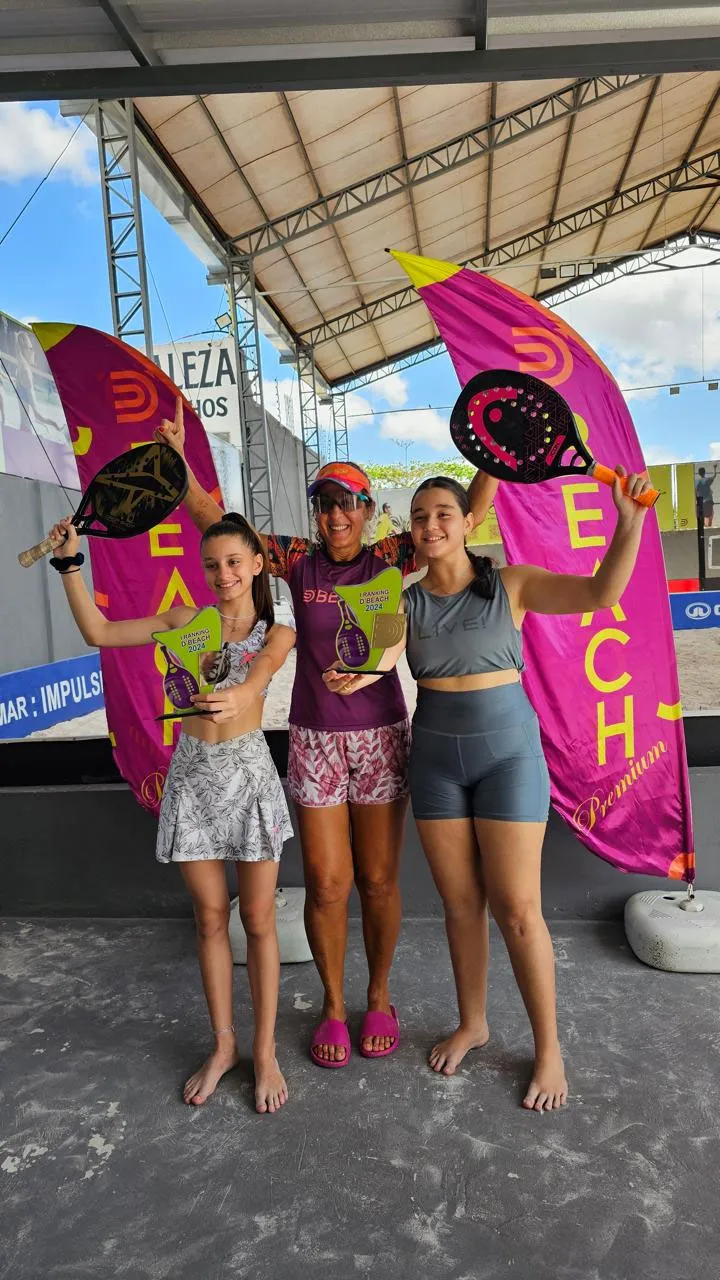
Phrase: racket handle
{"type": "Point", "coordinates": [37, 552]}
{"type": "Point", "coordinates": [606, 476]}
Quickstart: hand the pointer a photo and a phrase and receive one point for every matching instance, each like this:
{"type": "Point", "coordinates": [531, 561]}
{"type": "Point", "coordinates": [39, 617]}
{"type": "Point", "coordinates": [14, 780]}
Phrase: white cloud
{"type": "Point", "coordinates": [715, 449]}
{"type": "Point", "coordinates": [31, 139]}
{"type": "Point", "coordinates": [359, 411]}
{"type": "Point", "coordinates": [653, 327]}
{"type": "Point", "coordinates": [393, 388]}
{"type": "Point", "coordinates": [282, 400]}
{"type": "Point", "coordinates": [656, 454]}
{"type": "Point", "coordinates": [422, 426]}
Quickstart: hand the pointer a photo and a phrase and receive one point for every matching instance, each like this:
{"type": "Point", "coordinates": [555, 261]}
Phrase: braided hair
{"type": "Point", "coordinates": [483, 567]}
{"type": "Point", "coordinates": [233, 525]}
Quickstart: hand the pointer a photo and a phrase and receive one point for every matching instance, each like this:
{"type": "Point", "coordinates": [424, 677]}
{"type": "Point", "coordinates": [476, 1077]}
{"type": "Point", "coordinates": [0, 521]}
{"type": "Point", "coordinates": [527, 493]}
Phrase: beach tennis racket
{"type": "Point", "coordinates": [129, 495]}
{"type": "Point", "coordinates": [518, 428]}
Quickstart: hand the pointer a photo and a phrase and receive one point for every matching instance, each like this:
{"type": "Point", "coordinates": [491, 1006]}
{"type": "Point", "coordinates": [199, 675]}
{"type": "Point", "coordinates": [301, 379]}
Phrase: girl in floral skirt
{"type": "Point", "coordinates": [223, 800]}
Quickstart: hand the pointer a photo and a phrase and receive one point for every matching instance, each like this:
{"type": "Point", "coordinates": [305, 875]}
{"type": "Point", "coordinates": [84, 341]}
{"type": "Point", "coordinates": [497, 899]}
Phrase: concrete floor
{"type": "Point", "coordinates": [382, 1169]}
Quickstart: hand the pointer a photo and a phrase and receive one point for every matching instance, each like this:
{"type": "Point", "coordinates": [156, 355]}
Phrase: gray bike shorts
{"type": "Point", "coordinates": [478, 754]}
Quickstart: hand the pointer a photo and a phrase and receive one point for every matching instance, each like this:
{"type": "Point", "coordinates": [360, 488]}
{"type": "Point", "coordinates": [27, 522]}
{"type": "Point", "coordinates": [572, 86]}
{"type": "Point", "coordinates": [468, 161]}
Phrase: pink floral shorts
{"type": "Point", "coordinates": [359, 766]}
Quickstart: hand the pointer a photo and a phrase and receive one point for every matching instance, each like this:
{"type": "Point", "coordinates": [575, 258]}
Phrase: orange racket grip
{"type": "Point", "coordinates": [606, 476]}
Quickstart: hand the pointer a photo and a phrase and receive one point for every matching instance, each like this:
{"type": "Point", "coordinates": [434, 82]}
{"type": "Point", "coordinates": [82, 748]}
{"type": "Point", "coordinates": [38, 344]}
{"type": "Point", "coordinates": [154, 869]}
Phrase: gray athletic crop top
{"type": "Point", "coordinates": [461, 635]}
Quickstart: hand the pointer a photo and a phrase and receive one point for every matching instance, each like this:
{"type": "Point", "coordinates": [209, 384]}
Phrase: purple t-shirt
{"type": "Point", "coordinates": [312, 577]}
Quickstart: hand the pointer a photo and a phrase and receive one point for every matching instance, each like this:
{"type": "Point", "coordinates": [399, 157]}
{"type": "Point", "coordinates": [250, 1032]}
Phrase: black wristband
{"type": "Point", "coordinates": [65, 563]}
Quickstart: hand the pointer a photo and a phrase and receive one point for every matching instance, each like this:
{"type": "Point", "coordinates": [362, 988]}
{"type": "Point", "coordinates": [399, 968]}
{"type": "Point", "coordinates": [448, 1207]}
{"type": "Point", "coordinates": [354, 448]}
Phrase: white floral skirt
{"type": "Point", "coordinates": [223, 800]}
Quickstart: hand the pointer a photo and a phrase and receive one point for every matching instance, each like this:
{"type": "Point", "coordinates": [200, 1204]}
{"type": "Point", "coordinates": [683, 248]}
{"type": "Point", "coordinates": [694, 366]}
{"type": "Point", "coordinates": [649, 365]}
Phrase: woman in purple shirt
{"type": "Point", "coordinates": [347, 770]}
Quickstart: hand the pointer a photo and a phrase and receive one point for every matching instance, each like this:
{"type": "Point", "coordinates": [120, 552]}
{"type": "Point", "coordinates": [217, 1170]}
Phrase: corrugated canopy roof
{"type": "Point", "coordinates": [514, 177]}
{"type": "Point", "coordinates": [510, 135]}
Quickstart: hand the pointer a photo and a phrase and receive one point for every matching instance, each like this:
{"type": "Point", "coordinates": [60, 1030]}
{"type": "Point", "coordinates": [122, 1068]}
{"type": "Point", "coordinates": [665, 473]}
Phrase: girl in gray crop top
{"type": "Point", "coordinates": [463, 634]}
{"type": "Point", "coordinates": [478, 779]}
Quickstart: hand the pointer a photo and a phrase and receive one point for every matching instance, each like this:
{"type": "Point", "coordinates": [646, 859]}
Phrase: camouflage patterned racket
{"type": "Point", "coordinates": [129, 495]}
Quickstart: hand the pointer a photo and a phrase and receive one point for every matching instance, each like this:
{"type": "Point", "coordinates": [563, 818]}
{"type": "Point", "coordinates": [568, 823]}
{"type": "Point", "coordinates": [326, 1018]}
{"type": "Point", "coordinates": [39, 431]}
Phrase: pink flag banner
{"type": "Point", "coordinates": [604, 685]}
{"type": "Point", "coordinates": [113, 398]}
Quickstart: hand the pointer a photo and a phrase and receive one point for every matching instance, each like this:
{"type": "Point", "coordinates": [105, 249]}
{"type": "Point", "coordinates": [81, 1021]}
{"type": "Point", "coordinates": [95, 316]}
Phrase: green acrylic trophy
{"type": "Point", "coordinates": [196, 661]}
{"type": "Point", "coordinates": [369, 620]}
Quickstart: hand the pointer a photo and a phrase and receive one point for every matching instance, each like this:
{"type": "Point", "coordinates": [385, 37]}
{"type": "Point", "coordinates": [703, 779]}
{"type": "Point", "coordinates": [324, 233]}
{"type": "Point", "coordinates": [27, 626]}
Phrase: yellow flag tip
{"type": "Point", "coordinates": [424, 271]}
{"type": "Point", "coordinates": [49, 334]}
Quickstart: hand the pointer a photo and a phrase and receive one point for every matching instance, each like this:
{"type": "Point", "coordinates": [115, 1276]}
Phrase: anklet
{"type": "Point", "coordinates": [224, 1030]}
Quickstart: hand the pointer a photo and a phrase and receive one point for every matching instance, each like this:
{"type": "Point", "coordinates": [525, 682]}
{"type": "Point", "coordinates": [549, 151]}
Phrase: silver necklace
{"type": "Point", "coordinates": [243, 617]}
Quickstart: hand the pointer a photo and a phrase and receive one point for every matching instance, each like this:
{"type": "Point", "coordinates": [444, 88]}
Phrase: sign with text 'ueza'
{"type": "Point", "coordinates": [206, 373]}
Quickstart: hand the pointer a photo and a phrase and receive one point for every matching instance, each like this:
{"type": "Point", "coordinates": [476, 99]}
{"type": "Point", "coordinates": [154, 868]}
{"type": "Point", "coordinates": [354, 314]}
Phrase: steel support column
{"type": "Point", "coordinates": [340, 427]}
{"type": "Point", "coordinates": [309, 422]}
{"type": "Point", "coordinates": [253, 422]}
{"type": "Point", "coordinates": [122, 215]}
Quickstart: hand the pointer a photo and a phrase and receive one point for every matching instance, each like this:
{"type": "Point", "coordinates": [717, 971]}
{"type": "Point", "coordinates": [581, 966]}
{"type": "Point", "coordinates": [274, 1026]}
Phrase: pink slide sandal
{"type": "Point", "coordinates": [380, 1024]}
{"type": "Point", "coordinates": [334, 1032]}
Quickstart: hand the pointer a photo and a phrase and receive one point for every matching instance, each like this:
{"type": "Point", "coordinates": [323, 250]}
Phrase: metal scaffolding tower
{"type": "Point", "coordinates": [340, 426]}
{"type": "Point", "coordinates": [253, 422]}
{"type": "Point", "coordinates": [309, 423]}
{"type": "Point", "coordinates": [122, 215]}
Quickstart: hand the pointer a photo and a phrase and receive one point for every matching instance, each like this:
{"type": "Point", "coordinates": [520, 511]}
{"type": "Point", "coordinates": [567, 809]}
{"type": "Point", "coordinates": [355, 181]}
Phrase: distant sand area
{"type": "Point", "coordinates": [698, 654]}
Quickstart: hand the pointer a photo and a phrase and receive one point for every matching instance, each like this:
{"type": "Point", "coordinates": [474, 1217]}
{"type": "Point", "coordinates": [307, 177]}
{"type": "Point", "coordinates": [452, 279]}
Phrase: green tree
{"type": "Point", "coordinates": [395, 476]}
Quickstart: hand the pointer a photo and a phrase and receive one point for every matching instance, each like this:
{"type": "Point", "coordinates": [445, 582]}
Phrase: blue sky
{"type": "Point", "coordinates": [657, 329]}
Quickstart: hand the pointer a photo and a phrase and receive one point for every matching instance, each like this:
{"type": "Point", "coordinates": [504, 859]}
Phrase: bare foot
{"type": "Point", "coordinates": [548, 1088]}
{"type": "Point", "coordinates": [224, 1057]}
{"type": "Point", "coordinates": [375, 1044]}
{"type": "Point", "coordinates": [330, 1052]}
{"type": "Point", "coordinates": [271, 1092]}
{"type": "Point", "coordinates": [446, 1056]}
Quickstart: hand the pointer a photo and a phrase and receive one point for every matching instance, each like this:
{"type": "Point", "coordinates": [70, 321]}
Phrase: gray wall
{"type": "Point", "coordinates": [35, 622]}
{"type": "Point", "coordinates": [288, 479]}
{"type": "Point", "coordinates": [89, 851]}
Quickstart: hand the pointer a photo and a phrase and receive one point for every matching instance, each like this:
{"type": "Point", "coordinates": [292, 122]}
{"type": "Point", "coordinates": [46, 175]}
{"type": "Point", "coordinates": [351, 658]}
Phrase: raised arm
{"type": "Point", "coordinates": [202, 509]}
{"type": "Point", "coordinates": [481, 494]}
{"type": "Point", "coordinates": [535, 590]}
{"type": "Point", "coordinates": [94, 628]}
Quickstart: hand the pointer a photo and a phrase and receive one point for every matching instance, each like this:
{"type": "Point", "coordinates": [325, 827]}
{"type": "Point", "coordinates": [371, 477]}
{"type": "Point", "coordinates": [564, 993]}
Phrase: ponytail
{"type": "Point", "coordinates": [233, 525]}
{"type": "Point", "coordinates": [485, 575]}
{"type": "Point", "coordinates": [483, 567]}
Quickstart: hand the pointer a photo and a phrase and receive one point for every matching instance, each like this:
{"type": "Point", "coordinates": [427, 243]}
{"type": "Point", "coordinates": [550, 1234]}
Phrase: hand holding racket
{"type": "Point", "coordinates": [129, 495]}
{"type": "Point", "coordinates": [629, 492]}
{"type": "Point", "coordinates": [518, 428]}
{"type": "Point", "coordinates": [65, 535]}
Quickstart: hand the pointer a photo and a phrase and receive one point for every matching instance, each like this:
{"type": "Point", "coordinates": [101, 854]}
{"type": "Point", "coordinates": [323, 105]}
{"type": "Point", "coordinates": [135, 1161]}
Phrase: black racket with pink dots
{"type": "Point", "coordinates": [518, 428]}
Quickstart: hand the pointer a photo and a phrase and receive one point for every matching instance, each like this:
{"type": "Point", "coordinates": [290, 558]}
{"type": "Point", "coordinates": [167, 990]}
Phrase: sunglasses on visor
{"type": "Point", "coordinates": [323, 503]}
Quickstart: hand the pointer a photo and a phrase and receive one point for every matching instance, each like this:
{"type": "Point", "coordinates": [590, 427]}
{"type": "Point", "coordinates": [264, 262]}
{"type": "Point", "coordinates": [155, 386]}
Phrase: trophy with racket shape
{"type": "Point", "coordinates": [518, 428]}
{"type": "Point", "coordinates": [196, 661]}
{"type": "Point", "coordinates": [369, 621]}
{"type": "Point", "coordinates": [129, 495]}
